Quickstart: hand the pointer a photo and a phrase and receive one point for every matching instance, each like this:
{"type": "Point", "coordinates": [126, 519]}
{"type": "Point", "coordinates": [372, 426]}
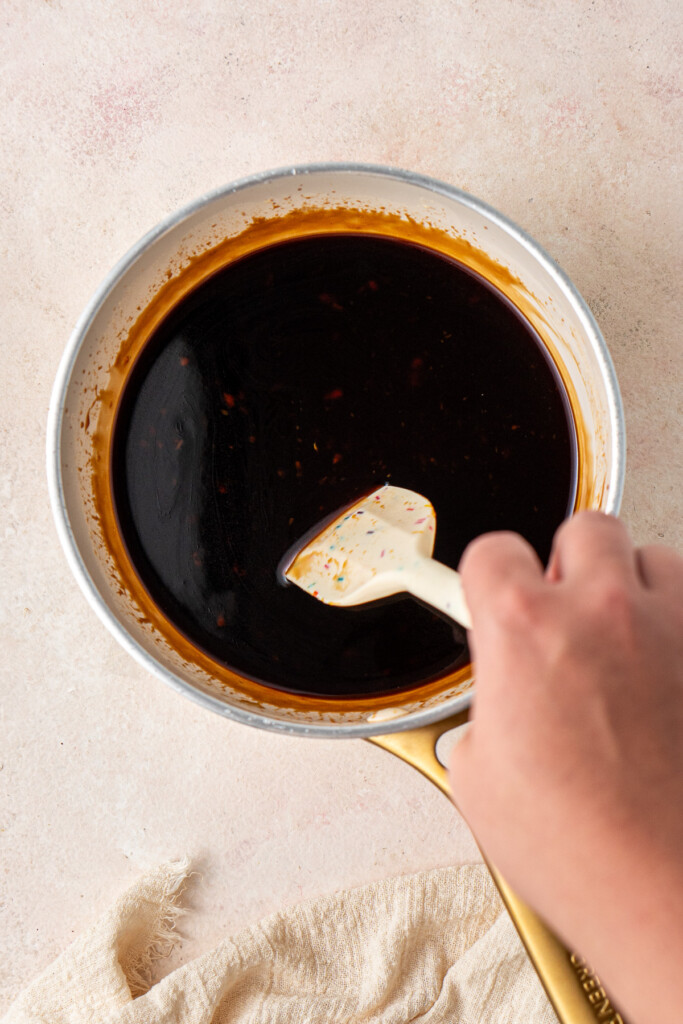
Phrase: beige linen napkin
{"type": "Point", "coordinates": [433, 948]}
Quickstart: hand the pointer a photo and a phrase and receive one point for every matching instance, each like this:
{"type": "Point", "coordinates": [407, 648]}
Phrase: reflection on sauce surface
{"type": "Point", "coordinates": [286, 386]}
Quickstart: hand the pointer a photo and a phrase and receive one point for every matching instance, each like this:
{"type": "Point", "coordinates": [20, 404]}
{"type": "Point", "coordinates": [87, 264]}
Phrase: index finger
{"type": "Point", "coordinates": [494, 561]}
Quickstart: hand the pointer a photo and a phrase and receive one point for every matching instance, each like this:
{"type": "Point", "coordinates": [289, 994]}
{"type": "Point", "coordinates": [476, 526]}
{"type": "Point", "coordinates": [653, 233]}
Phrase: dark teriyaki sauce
{"type": "Point", "coordinates": [285, 387]}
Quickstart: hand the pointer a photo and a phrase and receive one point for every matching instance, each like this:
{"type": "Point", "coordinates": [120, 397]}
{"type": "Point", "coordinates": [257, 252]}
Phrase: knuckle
{"type": "Point", "coordinates": [587, 522]}
{"type": "Point", "coordinates": [662, 557]}
{"type": "Point", "coordinates": [516, 605]}
{"type": "Point", "coordinates": [594, 517]}
{"type": "Point", "coordinates": [480, 549]}
{"type": "Point", "coordinates": [660, 551]}
{"type": "Point", "coordinates": [613, 599]}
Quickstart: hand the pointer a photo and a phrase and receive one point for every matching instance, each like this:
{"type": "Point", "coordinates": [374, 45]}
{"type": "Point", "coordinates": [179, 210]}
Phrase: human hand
{"type": "Point", "coordinates": [571, 774]}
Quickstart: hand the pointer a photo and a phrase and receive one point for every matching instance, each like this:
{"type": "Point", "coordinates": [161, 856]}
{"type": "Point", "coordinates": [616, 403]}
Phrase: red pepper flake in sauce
{"type": "Point", "coordinates": [220, 621]}
{"type": "Point", "coordinates": [333, 395]}
{"type": "Point", "coordinates": [337, 458]}
{"type": "Point", "coordinates": [329, 300]}
{"type": "Point", "coordinates": [229, 400]}
{"type": "Point", "coordinates": [297, 466]}
{"type": "Point", "coordinates": [222, 489]}
{"type": "Point", "coordinates": [184, 360]}
{"type": "Point", "coordinates": [416, 372]}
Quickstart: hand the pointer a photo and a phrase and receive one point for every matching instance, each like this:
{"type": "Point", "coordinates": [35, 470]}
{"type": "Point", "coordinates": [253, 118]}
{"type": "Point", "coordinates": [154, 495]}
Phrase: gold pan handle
{"type": "Point", "coordinates": [574, 991]}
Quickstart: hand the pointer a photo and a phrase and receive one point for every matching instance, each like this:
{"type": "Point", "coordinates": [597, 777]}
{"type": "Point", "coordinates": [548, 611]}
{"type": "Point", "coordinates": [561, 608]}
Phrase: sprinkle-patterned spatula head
{"type": "Point", "coordinates": [380, 546]}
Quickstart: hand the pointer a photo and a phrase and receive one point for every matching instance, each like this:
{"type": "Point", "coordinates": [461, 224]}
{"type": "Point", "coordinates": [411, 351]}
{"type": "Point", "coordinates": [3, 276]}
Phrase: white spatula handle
{"type": "Point", "coordinates": [440, 587]}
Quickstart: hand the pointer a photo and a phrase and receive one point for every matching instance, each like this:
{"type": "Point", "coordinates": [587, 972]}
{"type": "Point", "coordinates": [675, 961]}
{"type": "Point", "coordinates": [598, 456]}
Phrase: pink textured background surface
{"type": "Point", "coordinates": [564, 114]}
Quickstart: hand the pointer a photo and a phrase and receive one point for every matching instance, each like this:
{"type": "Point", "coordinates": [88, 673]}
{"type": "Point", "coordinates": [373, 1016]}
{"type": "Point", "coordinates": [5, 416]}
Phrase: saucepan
{"type": "Point", "coordinates": [168, 263]}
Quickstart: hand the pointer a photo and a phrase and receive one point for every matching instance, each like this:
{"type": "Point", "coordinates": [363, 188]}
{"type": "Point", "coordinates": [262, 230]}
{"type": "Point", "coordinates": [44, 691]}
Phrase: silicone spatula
{"type": "Point", "coordinates": [381, 545]}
